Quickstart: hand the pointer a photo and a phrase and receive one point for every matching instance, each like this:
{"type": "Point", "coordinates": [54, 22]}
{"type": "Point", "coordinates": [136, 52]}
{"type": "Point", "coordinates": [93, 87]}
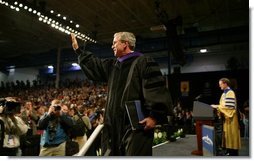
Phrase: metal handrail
{"type": "Point", "coordinates": [90, 141]}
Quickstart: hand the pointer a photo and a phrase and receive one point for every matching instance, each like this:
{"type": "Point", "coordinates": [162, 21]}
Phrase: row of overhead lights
{"type": "Point", "coordinates": [49, 20]}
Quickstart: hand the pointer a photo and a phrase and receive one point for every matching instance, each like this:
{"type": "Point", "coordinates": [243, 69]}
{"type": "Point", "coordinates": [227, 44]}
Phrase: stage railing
{"type": "Point", "coordinates": [90, 141]}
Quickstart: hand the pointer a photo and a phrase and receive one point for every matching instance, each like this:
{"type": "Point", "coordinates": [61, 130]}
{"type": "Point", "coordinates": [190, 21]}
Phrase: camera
{"type": "Point", "coordinates": [52, 129]}
{"type": "Point", "coordinates": [96, 115]}
{"type": "Point", "coordinates": [9, 106]}
{"type": "Point", "coordinates": [57, 107]}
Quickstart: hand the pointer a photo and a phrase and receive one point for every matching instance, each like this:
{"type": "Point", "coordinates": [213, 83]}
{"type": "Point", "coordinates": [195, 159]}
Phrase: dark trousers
{"type": "Point", "coordinates": [30, 145]}
{"type": "Point", "coordinates": [137, 143]}
{"type": "Point", "coordinates": [8, 151]}
{"type": "Point", "coordinates": [232, 152]}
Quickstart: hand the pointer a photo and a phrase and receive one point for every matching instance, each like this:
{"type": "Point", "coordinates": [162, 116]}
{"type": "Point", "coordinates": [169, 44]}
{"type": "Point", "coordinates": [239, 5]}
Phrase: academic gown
{"type": "Point", "coordinates": [147, 85]}
{"type": "Point", "coordinates": [231, 131]}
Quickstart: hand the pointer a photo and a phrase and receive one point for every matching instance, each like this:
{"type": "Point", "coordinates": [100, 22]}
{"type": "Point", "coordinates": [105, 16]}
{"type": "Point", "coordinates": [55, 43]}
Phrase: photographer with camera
{"type": "Point", "coordinates": [12, 127]}
{"type": "Point", "coordinates": [54, 123]}
{"type": "Point", "coordinates": [83, 126]}
{"type": "Point", "coordinates": [30, 143]}
{"type": "Point", "coordinates": [29, 116]}
{"type": "Point", "coordinates": [96, 118]}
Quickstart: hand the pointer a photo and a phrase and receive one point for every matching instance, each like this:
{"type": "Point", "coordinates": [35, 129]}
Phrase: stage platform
{"type": "Point", "coordinates": [184, 146]}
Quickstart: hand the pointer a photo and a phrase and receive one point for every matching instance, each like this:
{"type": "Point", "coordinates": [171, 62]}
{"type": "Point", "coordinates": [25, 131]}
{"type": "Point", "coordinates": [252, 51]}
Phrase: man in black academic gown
{"type": "Point", "coordinates": [147, 85]}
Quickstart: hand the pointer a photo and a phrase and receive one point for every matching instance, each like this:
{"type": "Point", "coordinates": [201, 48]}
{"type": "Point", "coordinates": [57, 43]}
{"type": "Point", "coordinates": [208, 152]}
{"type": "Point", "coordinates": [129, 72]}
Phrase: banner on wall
{"type": "Point", "coordinates": [185, 88]}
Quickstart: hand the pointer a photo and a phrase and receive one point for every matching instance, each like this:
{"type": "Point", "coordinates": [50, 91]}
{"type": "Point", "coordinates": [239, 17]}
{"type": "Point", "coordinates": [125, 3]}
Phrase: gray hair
{"type": "Point", "coordinates": [127, 36]}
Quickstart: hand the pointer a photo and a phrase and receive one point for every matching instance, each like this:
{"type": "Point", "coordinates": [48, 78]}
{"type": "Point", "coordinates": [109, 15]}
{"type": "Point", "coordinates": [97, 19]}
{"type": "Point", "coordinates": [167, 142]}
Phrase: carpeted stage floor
{"type": "Point", "coordinates": [184, 146]}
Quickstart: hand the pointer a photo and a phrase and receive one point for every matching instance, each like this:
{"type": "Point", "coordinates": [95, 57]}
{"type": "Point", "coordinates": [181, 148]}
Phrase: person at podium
{"type": "Point", "coordinates": [227, 110]}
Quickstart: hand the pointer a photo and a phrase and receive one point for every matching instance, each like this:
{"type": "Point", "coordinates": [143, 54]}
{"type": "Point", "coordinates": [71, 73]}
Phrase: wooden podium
{"type": "Point", "coordinates": [203, 115]}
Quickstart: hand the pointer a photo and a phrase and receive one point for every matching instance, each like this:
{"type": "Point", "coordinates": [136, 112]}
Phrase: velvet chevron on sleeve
{"type": "Point", "coordinates": [157, 98]}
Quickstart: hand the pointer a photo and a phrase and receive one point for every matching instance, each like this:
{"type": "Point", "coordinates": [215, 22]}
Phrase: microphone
{"type": "Point", "coordinates": [198, 97]}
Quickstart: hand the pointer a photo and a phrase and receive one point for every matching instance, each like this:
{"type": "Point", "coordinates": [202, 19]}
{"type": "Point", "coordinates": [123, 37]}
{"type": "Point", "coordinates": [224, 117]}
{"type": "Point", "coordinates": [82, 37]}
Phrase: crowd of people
{"type": "Point", "coordinates": [88, 98]}
{"type": "Point", "coordinates": [78, 97]}
{"type": "Point", "coordinates": [183, 119]}
{"type": "Point", "coordinates": [70, 92]}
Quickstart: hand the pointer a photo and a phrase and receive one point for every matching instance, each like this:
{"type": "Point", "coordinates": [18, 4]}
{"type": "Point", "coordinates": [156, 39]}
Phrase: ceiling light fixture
{"type": "Point", "coordinates": [203, 50]}
{"type": "Point", "coordinates": [50, 67]}
{"type": "Point", "coordinates": [48, 18]}
{"type": "Point", "coordinates": [74, 64]}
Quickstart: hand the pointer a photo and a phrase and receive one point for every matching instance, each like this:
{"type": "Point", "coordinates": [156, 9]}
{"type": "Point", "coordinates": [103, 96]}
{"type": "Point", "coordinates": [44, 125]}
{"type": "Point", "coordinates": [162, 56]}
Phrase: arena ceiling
{"type": "Point", "coordinates": [23, 37]}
